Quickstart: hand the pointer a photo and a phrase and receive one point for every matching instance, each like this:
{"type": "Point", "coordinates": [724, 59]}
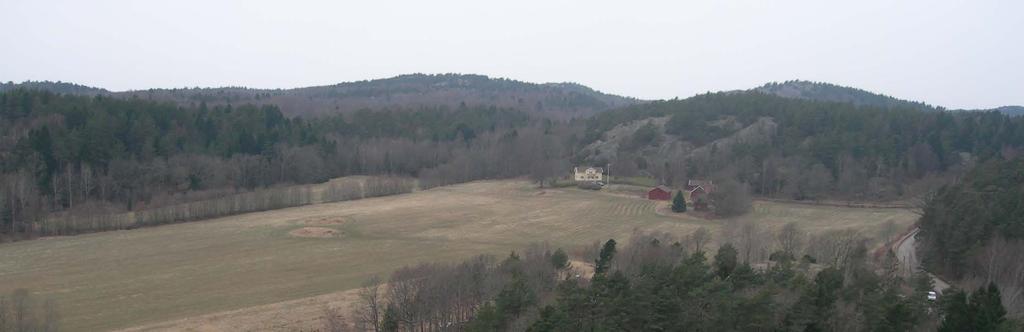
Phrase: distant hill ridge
{"type": "Point", "coordinates": [58, 87]}
{"type": "Point", "coordinates": [1011, 110]}
{"type": "Point", "coordinates": [412, 91]}
{"type": "Point", "coordinates": [835, 93]}
{"type": "Point", "coordinates": [821, 91]}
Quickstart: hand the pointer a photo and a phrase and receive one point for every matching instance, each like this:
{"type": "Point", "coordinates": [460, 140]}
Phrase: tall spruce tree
{"type": "Point", "coordinates": [987, 308]}
{"type": "Point", "coordinates": [679, 202]}
{"type": "Point", "coordinates": [956, 312]}
{"type": "Point", "coordinates": [559, 259]}
{"type": "Point", "coordinates": [604, 259]}
{"type": "Point", "coordinates": [725, 260]}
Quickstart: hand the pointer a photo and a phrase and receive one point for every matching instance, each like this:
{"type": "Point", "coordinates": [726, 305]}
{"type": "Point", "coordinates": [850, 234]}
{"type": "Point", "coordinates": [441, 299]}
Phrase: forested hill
{"type": "Point", "coordinates": [57, 87]}
{"type": "Point", "coordinates": [84, 155]}
{"type": "Point", "coordinates": [1011, 110]}
{"type": "Point", "coordinates": [836, 93]}
{"type": "Point", "coordinates": [551, 100]}
{"type": "Point", "coordinates": [963, 221]}
{"type": "Point", "coordinates": [796, 148]}
{"type": "Point", "coordinates": [972, 232]}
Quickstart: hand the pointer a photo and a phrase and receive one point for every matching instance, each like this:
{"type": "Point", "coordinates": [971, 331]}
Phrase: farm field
{"type": "Point", "coordinates": [147, 276]}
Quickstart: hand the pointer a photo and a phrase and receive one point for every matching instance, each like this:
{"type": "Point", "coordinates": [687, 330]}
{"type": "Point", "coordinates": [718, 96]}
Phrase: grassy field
{"type": "Point", "coordinates": [122, 279]}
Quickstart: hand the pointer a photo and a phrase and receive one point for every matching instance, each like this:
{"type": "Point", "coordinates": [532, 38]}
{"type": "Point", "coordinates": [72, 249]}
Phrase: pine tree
{"type": "Point", "coordinates": [956, 312]}
{"type": "Point", "coordinates": [487, 318]}
{"type": "Point", "coordinates": [604, 259]}
{"type": "Point", "coordinates": [725, 260]}
{"type": "Point", "coordinates": [515, 297]}
{"type": "Point", "coordinates": [559, 259]}
{"type": "Point", "coordinates": [679, 203]}
{"type": "Point", "coordinates": [987, 308]}
{"type": "Point", "coordinates": [551, 320]}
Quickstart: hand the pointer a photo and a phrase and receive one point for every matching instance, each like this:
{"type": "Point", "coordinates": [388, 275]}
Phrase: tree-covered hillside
{"type": "Point", "coordinates": [57, 87]}
{"type": "Point", "coordinates": [805, 148]}
{"type": "Point", "coordinates": [90, 154]}
{"type": "Point", "coordinates": [552, 100]}
{"type": "Point", "coordinates": [821, 91]}
{"type": "Point", "coordinates": [1011, 110]}
{"type": "Point", "coordinates": [972, 232]}
{"type": "Point", "coordinates": [835, 93]}
{"type": "Point", "coordinates": [963, 217]}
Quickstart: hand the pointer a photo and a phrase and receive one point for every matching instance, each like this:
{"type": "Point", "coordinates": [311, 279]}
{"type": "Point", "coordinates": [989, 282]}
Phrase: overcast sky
{"type": "Point", "coordinates": [957, 54]}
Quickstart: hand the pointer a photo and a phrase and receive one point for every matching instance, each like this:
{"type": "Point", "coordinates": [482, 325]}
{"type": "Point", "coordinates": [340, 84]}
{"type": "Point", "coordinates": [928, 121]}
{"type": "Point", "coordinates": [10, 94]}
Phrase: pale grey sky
{"type": "Point", "coordinates": [957, 54]}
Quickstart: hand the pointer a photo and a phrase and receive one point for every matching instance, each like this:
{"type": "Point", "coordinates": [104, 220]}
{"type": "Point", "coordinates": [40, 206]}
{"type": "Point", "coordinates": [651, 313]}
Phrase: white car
{"type": "Point", "coordinates": [932, 296]}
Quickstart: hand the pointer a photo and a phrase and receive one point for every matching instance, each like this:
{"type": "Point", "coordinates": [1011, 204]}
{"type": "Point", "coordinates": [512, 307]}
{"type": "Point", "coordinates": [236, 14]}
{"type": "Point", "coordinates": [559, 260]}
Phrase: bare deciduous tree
{"type": "Point", "coordinates": [836, 247]}
{"type": "Point", "coordinates": [368, 314]}
{"type": "Point", "coordinates": [791, 239]}
{"type": "Point", "coordinates": [700, 238]}
{"type": "Point", "coordinates": [750, 242]}
{"type": "Point", "coordinates": [334, 320]}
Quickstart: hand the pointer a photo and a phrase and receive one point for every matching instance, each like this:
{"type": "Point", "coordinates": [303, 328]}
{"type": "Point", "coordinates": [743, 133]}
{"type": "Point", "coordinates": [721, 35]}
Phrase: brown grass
{"type": "Point", "coordinates": [169, 273]}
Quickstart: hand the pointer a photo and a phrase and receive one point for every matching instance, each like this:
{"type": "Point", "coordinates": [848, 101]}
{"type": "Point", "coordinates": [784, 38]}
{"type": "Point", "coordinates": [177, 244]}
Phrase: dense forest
{"type": "Point", "coordinates": [974, 230]}
{"type": "Point", "coordinates": [835, 93]}
{"type": "Point", "coordinates": [86, 155]}
{"type": "Point", "coordinates": [93, 154]}
{"type": "Point", "coordinates": [551, 100]}
{"type": "Point", "coordinates": [822, 91]}
{"type": "Point", "coordinates": [660, 283]}
{"type": "Point", "coordinates": [803, 149]}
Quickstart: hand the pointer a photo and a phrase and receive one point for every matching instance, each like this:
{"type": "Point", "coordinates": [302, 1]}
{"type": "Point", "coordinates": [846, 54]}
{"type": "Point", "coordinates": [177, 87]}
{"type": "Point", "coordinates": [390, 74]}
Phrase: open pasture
{"type": "Point", "coordinates": [122, 279]}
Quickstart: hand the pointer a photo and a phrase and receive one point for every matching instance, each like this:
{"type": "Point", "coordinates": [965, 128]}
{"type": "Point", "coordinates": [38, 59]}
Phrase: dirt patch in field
{"type": "Point", "coordinates": [316, 232]}
{"type": "Point", "coordinates": [325, 221]}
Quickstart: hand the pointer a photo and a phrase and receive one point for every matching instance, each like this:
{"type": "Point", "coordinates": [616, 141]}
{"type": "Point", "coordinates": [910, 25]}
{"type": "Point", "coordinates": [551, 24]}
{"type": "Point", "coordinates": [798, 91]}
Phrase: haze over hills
{"type": "Point", "coordinates": [413, 91]}
{"type": "Point", "coordinates": [1011, 110]}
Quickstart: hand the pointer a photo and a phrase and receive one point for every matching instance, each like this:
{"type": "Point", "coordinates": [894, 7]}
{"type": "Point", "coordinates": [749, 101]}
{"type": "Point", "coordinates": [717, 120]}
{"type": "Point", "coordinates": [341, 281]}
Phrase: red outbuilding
{"type": "Point", "coordinates": [660, 193]}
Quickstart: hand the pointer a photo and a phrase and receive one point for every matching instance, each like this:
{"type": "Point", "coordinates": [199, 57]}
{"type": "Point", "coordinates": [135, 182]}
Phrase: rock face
{"type": "Point", "coordinates": [617, 137]}
{"type": "Point", "coordinates": [614, 140]}
{"type": "Point", "coordinates": [763, 129]}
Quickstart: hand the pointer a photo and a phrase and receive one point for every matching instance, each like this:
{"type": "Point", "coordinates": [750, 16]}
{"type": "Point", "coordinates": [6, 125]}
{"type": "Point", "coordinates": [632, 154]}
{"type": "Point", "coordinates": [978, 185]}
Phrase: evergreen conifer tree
{"type": "Point", "coordinates": [679, 202]}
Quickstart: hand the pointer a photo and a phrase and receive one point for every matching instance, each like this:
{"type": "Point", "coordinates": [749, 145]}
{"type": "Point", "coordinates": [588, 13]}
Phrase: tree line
{"type": "Point", "coordinates": [656, 282]}
{"type": "Point", "coordinates": [90, 156]}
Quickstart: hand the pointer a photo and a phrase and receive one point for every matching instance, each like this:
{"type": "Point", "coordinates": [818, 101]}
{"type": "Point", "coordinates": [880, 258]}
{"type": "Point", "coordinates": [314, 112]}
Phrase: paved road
{"type": "Point", "coordinates": [907, 254]}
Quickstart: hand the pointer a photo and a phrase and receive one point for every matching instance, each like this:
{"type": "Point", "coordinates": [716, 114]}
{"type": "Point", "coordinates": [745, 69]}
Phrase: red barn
{"type": "Point", "coordinates": [660, 193]}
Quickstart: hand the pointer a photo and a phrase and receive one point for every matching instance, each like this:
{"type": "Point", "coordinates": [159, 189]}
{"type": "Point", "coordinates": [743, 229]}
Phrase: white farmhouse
{"type": "Point", "coordinates": [588, 174]}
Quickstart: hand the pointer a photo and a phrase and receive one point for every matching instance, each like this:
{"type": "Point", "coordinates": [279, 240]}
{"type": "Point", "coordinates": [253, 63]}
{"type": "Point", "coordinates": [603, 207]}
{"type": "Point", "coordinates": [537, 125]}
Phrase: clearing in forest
{"type": "Point", "coordinates": [144, 276]}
